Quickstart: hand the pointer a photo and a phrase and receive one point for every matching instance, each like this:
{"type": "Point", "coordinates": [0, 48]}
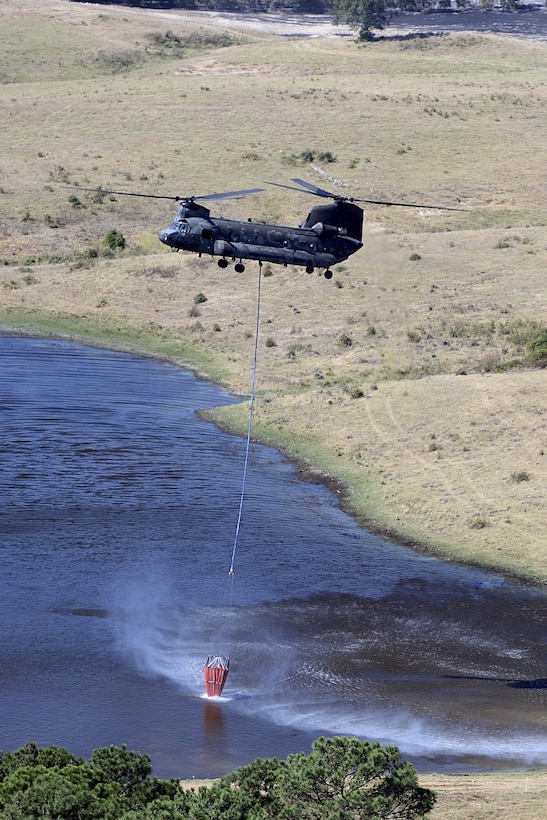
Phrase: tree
{"type": "Point", "coordinates": [52, 784]}
{"type": "Point", "coordinates": [362, 14]}
{"type": "Point", "coordinates": [52, 796]}
{"type": "Point", "coordinates": [116, 764]}
{"type": "Point", "coordinates": [31, 755]}
{"type": "Point", "coordinates": [342, 778]}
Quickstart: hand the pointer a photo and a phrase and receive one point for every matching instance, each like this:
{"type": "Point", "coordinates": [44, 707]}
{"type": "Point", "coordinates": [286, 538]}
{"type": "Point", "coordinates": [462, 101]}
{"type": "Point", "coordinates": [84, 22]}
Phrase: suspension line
{"type": "Point", "coordinates": [250, 425]}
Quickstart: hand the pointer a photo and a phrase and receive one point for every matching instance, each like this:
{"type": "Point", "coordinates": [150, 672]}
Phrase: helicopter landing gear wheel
{"type": "Point", "coordinates": [239, 267]}
{"type": "Point", "coordinates": [309, 269]}
{"type": "Point", "coordinates": [328, 274]}
{"type": "Point", "coordinates": [222, 263]}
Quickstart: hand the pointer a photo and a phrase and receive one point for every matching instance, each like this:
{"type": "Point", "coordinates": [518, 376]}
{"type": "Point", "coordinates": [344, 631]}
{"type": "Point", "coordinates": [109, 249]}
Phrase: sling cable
{"type": "Point", "coordinates": [216, 668]}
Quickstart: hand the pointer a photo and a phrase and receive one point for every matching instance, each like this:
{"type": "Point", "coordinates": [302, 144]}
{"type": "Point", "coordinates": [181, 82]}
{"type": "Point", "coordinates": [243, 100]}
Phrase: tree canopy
{"type": "Point", "coordinates": [363, 15]}
{"type": "Point", "coordinates": [341, 779]}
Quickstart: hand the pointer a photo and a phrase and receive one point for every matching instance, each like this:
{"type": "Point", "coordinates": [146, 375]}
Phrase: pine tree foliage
{"type": "Point", "coordinates": [342, 779]}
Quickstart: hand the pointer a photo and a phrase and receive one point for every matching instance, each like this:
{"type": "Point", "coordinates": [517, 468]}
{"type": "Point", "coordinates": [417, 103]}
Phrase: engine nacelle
{"type": "Point", "coordinates": [320, 229]}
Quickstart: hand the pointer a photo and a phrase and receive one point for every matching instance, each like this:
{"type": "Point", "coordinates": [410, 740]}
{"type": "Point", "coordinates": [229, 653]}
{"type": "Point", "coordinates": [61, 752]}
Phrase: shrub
{"type": "Point", "coordinates": [307, 155]}
{"type": "Point", "coordinates": [479, 523]}
{"type": "Point", "coordinates": [518, 476]}
{"type": "Point", "coordinates": [199, 298]}
{"type": "Point", "coordinates": [114, 61]}
{"type": "Point", "coordinates": [326, 156]}
{"type": "Point", "coordinates": [538, 348]}
{"type": "Point", "coordinates": [113, 240]}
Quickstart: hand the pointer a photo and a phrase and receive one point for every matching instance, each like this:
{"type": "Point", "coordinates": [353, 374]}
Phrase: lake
{"type": "Point", "coordinates": [118, 515]}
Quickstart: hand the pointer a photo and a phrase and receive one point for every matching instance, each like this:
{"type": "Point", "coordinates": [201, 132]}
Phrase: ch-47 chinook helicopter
{"type": "Point", "coordinates": [329, 234]}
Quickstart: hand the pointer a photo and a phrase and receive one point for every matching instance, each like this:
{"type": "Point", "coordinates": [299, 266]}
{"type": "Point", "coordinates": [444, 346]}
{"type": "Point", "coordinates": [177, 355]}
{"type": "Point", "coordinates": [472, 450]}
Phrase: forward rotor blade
{"type": "Point", "coordinates": [120, 193]}
{"type": "Point", "coordinates": [227, 195]}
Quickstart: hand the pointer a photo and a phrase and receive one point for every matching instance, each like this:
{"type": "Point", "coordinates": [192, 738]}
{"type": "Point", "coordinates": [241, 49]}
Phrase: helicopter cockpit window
{"type": "Point", "coordinates": [180, 227]}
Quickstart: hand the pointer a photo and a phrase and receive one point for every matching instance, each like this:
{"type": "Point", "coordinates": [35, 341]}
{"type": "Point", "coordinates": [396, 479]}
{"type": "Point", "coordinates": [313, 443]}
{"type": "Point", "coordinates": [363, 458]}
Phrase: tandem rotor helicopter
{"type": "Point", "coordinates": [329, 234]}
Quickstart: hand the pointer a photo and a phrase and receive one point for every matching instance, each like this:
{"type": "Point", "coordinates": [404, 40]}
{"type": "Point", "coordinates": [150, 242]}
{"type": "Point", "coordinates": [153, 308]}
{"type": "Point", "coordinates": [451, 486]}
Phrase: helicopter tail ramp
{"type": "Point", "coordinates": [215, 673]}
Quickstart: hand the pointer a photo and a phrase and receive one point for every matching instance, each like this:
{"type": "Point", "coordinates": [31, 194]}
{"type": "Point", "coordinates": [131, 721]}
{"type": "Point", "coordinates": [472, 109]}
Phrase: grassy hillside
{"type": "Point", "coordinates": [414, 388]}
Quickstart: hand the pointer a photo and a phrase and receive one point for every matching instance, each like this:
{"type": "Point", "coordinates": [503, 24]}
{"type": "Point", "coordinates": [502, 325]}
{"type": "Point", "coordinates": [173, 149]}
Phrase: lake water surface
{"type": "Point", "coordinates": [117, 520]}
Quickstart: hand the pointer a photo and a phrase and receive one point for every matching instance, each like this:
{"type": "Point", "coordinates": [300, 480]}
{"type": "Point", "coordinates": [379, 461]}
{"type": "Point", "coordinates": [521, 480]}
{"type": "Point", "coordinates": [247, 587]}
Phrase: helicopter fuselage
{"type": "Point", "coordinates": [329, 234]}
{"type": "Point", "coordinates": [316, 245]}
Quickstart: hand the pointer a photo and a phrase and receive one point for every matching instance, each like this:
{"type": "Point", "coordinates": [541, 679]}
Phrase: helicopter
{"type": "Point", "coordinates": [329, 234]}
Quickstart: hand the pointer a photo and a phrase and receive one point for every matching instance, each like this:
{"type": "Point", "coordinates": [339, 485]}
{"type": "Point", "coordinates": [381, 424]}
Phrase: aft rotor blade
{"type": "Point", "coordinates": [406, 204]}
{"type": "Point", "coordinates": [320, 192]}
{"type": "Point", "coordinates": [288, 187]}
{"type": "Point", "coordinates": [314, 189]}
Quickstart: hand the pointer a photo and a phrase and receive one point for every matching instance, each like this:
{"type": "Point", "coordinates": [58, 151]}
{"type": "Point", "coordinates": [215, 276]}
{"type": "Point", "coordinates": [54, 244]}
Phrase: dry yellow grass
{"type": "Point", "coordinates": [488, 796]}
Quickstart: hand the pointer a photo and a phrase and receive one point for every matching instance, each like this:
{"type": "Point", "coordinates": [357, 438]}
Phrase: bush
{"type": "Point", "coordinates": [326, 156]}
{"type": "Point", "coordinates": [199, 298]}
{"type": "Point", "coordinates": [519, 476]}
{"type": "Point", "coordinates": [538, 348]}
{"type": "Point", "coordinates": [480, 522]}
{"type": "Point", "coordinates": [113, 240]}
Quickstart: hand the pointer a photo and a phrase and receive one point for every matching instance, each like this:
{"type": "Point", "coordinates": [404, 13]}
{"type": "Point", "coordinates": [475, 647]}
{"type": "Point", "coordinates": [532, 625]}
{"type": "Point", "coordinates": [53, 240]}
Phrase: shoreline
{"type": "Point", "coordinates": [308, 471]}
{"type": "Point", "coordinates": [343, 491]}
